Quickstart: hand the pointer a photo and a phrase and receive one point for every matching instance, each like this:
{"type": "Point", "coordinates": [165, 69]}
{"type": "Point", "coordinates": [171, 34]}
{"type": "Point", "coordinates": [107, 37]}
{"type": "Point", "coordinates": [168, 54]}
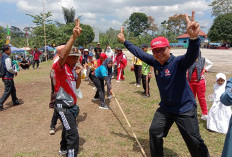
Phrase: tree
{"type": "Point", "coordinates": [177, 24]}
{"type": "Point", "coordinates": [152, 26]}
{"type": "Point", "coordinates": [69, 15]}
{"type": "Point", "coordinates": [221, 7]}
{"type": "Point", "coordinates": [38, 35]}
{"type": "Point", "coordinates": [138, 23]}
{"type": "Point", "coordinates": [221, 29]}
{"type": "Point", "coordinates": [2, 37]}
{"type": "Point", "coordinates": [38, 19]}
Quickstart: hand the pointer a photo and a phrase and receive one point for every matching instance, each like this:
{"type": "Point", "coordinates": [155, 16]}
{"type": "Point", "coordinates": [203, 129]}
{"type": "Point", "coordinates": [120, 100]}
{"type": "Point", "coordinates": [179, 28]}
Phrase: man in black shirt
{"type": "Point", "coordinates": [24, 64]}
{"type": "Point", "coordinates": [97, 51]}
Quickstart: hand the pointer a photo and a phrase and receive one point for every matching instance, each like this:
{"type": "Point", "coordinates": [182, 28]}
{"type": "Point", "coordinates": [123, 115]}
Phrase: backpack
{"type": "Point", "coordinates": [2, 68]}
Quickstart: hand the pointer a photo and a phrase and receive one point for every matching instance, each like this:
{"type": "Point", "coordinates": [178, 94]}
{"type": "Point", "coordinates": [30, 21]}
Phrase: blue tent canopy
{"type": "Point", "coordinates": [48, 48]}
{"type": "Point", "coordinates": [16, 50]}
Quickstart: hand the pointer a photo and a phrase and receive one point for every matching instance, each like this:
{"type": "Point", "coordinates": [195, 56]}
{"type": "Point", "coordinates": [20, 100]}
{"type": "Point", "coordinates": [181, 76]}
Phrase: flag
{"type": "Point", "coordinates": [8, 35]}
{"type": "Point", "coordinates": [8, 31]}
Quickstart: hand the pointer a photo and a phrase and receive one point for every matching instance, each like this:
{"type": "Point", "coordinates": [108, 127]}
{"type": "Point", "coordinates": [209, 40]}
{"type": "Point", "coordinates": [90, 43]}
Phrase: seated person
{"type": "Point", "coordinates": [24, 64]}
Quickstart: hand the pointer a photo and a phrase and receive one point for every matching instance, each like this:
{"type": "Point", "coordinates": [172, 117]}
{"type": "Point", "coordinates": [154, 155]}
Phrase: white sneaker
{"type": "Point", "coordinates": [104, 107]}
{"type": "Point", "coordinates": [204, 117]}
{"type": "Point", "coordinates": [94, 87]}
{"type": "Point", "coordinates": [117, 81]}
{"type": "Point", "coordinates": [110, 97]}
{"type": "Point", "coordinates": [95, 99]}
{"type": "Point", "coordinates": [52, 131]}
{"type": "Point", "coordinates": [62, 152]}
{"type": "Point", "coordinates": [138, 85]}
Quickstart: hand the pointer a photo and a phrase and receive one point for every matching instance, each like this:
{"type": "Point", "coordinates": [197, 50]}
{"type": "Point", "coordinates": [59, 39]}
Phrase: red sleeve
{"type": "Point", "coordinates": [124, 62]}
{"type": "Point", "coordinates": [81, 59]}
{"type": "Point", "coordinates": [56, 66]}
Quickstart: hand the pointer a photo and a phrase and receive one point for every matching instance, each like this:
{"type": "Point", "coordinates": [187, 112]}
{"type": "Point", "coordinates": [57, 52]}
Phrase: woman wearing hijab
{"type": "Point", "coordinates": [219, 114]}
{"type": "Point", "coordinates": [197, 82]}
{"type": "Point", "coordinates": [84, 57]}
{"type": "Point", "coordinates": [121, 64]}
{"type": "Point", "coordinates": [109, 52]}
{"type": "Point", "coordinates": [98, 77]}
{"type": "Point", "coordinates": [103, 56]}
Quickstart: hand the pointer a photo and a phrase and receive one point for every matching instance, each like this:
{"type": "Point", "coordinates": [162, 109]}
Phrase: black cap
{"type": "Point", "coordinates": [5, 47]}
{"type": "Point", "coordinates": [144, 46]}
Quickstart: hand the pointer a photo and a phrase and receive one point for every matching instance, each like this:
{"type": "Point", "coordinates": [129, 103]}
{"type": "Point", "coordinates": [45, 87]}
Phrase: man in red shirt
{"type": "Point", "coordinates": [36, 53]}
{"type": "Point", "coordinates": [67, 80]}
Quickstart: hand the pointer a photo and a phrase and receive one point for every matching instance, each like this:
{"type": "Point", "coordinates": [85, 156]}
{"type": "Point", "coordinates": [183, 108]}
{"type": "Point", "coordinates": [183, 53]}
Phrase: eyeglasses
{"type": "Point", "coordinates": [159, 50]}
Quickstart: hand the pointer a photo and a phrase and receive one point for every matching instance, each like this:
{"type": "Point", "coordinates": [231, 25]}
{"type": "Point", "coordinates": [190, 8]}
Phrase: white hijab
{"type": "Point", "coordinates": [219, 89]}
{"type": "Point", "coordinates": [109, 52]}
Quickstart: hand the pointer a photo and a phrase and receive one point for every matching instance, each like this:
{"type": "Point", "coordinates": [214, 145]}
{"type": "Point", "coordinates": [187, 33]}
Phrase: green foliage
{"type": "Point", "coordinates": [39, 19]}
{"type": "Point", "coordinates": [109, 37]}
{"type": "Point", "coordinates": [2, 37]}
{"type": "Point", "coordinates": [221, 7]}
{"type": "Point", "coordinates": [86, 37]}
{"type": "Point", "coordinates": [138, 23]}
{"type": "Point", "coordinates": [69, 15]}
{"type": "Point", "coordinates": [38, 35]}
{"type": "Point", "coordinates": [177, 24]}
{"type": "Point", "coordinates": [221, 29]}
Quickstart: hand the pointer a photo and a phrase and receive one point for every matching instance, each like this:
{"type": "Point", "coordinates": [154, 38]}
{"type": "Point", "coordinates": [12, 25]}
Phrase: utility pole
{"type": "Point", "coordinates": [44, 32]}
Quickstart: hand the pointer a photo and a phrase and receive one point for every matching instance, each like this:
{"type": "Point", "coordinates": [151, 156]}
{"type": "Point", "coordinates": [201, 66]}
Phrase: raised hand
{"type": "Point", "coordinates": [121, 36]}
{"type": "Point", "coordinates": [193, 28]}
{"type": "Point", "coordinates": [77, 29]}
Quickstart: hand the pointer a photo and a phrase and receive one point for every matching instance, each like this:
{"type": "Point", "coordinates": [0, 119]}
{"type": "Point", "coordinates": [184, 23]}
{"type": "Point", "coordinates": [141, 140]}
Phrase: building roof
{"type": "Point", "coordinates": [201, 33]}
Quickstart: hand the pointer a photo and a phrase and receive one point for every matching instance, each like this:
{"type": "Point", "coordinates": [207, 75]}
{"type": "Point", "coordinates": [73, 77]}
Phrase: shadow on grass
{"type": "Point", "coordinates": [10, 104]}
{"type": "Point", "coordinates": [107, 102]}
{"type": "Point", "coordinates": [145, 144]}
{"type": "Point", "coordinates": [133, 82]}
{"type": "Point", "coordinates": [81, 143]}
{"type": "Point", "coordinates": [139, 92]}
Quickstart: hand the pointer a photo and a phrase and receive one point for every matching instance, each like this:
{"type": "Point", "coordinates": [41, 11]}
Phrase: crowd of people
{"type": "Point", "coordinates": [179, 79]}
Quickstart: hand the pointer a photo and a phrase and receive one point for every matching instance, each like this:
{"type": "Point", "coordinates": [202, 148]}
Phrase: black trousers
{"type": "Point", "coordinates": [187, 124]}
{"type": "Point", "coordinates": [55, 117]}
{"type": "Point", "coordinates": [115, 71]}
{"type": "Point", "coordinates": [100, 93]}
{"type": "Point", "coordinates": [37, 63]}
{"type": "Point", "coordinates": [9, 90]}
{"type": "Point", "coordinates": [70, 136]}
{"type": "Point", "coordinates": [146, 81]}
{"type": "Point", "coordinates": [138, 73]}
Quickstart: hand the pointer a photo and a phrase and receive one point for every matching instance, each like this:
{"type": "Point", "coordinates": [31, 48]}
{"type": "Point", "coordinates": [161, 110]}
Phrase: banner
{"type": "Point", "coordinates": [8, 36]}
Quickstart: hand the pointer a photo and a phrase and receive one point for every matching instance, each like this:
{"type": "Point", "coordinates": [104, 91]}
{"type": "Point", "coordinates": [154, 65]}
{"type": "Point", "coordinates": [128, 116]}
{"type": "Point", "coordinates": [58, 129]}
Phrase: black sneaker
{"type": "Point", "coordinates": [17, 103]}
{"type": "Point", "coordinates": [2, 109]}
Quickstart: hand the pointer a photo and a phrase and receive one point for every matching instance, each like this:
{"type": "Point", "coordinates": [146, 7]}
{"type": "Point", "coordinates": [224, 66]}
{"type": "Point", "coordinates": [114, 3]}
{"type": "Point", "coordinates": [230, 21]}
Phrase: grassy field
{"type": "Point", "coordinates": [24, 129]}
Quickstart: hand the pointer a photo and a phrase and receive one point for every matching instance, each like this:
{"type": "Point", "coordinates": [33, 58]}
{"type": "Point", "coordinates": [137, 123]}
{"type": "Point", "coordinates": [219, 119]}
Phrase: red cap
{"type": "Point", "coordinates": [159, 42]}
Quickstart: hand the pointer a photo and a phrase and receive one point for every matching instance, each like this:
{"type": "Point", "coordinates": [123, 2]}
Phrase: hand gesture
{"type": "Point", "coordinates": [193, 28]}
{"type": "Point", "coordinates": [149, 75]}
{"type": "Point", "coordinates": [77, 29]}
{"type": "Point", "coordinates": [78, 70]}
{"type": "Point", "coordinates": [111, 92]}
{"type": "Point", "coordinates": [121, 36]}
